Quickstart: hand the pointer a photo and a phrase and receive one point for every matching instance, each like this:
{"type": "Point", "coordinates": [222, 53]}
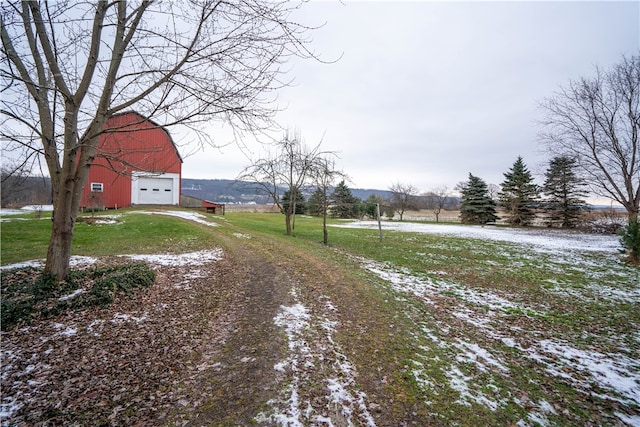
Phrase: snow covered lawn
{"type": "Point", "coordinates": [545, 321]}
{"type": "Point", "coordinates": [543, 240]}
{"type": "Point", "coordinates": [313, 353]}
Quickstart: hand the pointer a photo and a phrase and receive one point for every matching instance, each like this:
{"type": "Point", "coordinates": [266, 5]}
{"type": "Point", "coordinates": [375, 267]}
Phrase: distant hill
{"type": "Point", "coordinates": [25, 190]}
{"type": "Point", "coordinates": [224, 191]}
{"type": "Point", "coordinates": [22, 191]}
{"type": "Point", "coordinates": [230, 191]}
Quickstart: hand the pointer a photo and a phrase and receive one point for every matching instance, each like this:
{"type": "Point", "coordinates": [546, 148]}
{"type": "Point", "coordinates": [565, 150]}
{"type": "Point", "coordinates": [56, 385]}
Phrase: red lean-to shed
{"type": "Point", "coordinates": [136, 163]}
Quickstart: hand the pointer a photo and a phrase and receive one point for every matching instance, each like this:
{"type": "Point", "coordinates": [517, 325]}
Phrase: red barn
{"type": "Point", "coordinates": [136, 163]}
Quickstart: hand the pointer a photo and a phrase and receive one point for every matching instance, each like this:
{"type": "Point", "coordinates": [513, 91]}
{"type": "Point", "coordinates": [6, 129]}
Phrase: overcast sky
{"type": "Point", "coordinates": [427, 92]}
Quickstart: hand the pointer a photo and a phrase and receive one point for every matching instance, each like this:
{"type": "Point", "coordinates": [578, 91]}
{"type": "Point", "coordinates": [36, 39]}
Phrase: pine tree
{"type": "Point", "coordinates": [343, 203]}
{"type": "Point", "coordinates": [519, 195]}
{"type": "Point", "coordinates": [370, 206]}
{"type": "Point", "coordinates": [564, 191]}
{"type": "Point", "coordinates": [299, 202]}
{"type": "Point", "coordinates": [631, 241]}
{"type": "Point", "coordinates": [476, 206]}
{"type": "Point", "coordinates": [316, 203]}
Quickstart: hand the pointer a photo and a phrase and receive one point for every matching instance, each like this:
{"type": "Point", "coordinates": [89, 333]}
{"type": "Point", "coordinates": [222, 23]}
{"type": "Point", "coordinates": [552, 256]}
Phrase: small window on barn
{"type": "Point", "coordinates": [167, 189]}
{"type": "Point", "coordinates": [96, 187]}
{"type": "Point", "coordinates": [143, 189]}
{"type": "Point", "coordinates": [156, 189]}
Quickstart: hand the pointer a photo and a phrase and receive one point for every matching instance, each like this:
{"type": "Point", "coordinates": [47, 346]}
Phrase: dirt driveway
{"type": "Point", "coordinates": [259, 336]}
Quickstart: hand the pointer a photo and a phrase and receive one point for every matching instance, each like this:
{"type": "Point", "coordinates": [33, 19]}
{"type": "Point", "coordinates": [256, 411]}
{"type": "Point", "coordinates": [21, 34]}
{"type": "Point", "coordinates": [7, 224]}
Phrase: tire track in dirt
{"type": "Point", "coordinates": [282, 362]}
{"type": "Point", "coordinates": [211, 345]}
{"type": "Point", "coordinates": [234, 377]}
{"type": "Point", "coordinates": [319, 378]}
{"type": "Point", "coordinates": [311, 346]}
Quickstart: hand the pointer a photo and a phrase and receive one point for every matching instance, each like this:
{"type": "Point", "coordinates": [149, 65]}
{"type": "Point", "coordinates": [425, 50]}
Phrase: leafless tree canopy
{"type": "Point", "coordinates": [292, 165]}
{"type": "Point", "coordinates": [323, 176]}
{"type": "Point", "coordinates": [67, 66]}
{"type": "Point", "coordinates": [597, 122]}
{"type": "Point", "coordinates": [403, 198]}
{"type": "Point", "coordinates": [176, 62]}
{"type": "Point", "coordinates": [436, 200]}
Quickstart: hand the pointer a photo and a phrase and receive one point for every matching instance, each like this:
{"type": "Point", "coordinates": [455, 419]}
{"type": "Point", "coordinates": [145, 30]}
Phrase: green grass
{"type": "Point", "coordinates": [554, 298]}
{"type": "Point", "coordinates": [24, 240]}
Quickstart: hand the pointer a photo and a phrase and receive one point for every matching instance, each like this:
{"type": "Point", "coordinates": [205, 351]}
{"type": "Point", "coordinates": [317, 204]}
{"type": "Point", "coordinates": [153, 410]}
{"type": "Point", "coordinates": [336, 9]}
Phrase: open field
{"type": "Point", "coordinates": [433, 325]}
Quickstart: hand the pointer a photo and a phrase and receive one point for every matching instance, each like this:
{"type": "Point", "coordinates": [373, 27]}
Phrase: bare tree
{"type": "Point", "coordinates": [69, 66]}
{"type": "Point", "coordinates": [19, 188]}
{"type": "Point", "coordinates": [597, 122]}
{"type": "Point", "coordinates": [324, 176]}
{"type": "Point", "coordinates": [403, 198]}
{"type": "Point", "coordinates": [437, 200]}
{"type": "Point", "coordinates": [492, 191]}
{"type": "Point", "coordinates": [289, 168]}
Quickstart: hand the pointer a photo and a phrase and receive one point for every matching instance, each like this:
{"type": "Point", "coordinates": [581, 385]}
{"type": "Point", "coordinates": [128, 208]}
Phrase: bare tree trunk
{"type": "Point", "coordinates": [325, 232]}
{"type": "Point", "coordinates": [59, 251]}
{"type": "Point", "coordinates": [287, 220]}
{"type": "Point", "coordinates": [63, 91]}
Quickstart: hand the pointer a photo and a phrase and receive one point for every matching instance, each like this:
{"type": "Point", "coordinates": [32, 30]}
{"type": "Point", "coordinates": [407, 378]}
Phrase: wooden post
{"type": "Point", "coordinates": [379, 223]}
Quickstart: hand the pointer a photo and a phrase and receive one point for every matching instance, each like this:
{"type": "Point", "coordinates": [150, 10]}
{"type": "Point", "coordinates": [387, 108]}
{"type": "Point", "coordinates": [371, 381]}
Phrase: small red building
{"type": "Point", "coordinates": [136, 163]}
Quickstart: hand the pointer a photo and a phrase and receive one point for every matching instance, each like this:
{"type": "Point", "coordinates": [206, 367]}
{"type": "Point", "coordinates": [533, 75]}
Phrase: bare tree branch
{"type": "Point", "coordinates": [597, 122]}
{"type": "Point", "coordinates": [69, 66]}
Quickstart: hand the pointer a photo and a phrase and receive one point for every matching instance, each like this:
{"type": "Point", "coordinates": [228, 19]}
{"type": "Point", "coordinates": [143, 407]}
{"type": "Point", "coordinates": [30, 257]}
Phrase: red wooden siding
{"type": "Point", "coordinates": [132, 144]}
{"type": "Point", "coordinates": [213, 207]}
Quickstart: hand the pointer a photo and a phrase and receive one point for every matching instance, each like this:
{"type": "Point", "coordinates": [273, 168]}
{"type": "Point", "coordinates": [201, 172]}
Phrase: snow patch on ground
{"type": "Point", "coordinates": [188, 215]}
{"type": "Point", "coordinates": [72, 294]}
{"type": "Point", "coordinates": [106, 221]}
{"type": "Point", "coordinates": [542, 240]}
{"type": "Point", "coordinates": [5, 219]}
{"type": "Point", "coordinates": [8, 407]}
{"type": "Point", "coordinates": [123, 317]}
{"type": "Point", "coordinates": [312, 353]}
{"type": "Point", "coordinates": [178, 260]}
{"type": "Point", "coordinates": [424, 287]}
{"type": "Point", "coordinates": [616, 373]}
{"type": "Point", "coordinates": [13, 362]}
{"type": "Point", "coordinates": [68, 330]}
{"type": "Point", "coordinates": [26, 209]}
{"type": "Point", "coordinates": [75, 261]}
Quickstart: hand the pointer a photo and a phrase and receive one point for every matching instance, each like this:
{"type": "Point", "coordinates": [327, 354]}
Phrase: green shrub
{"type": "Point", "coordinates": [111, 281]}
{"type": "Point", "coordinates": [631, 240]}
{"type": "Point", "coordinates": [14, 311]}
{"type": "Point", "coordinates": [27, 293]}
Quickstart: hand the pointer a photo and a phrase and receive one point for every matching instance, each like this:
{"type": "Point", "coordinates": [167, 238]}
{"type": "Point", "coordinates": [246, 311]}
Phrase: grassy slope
{"type": "Point", "coordinates": [410, 344]}
{"type": "Point", "coordinates": [466, 360]}
{"type": "Point", "coordinates": [140, 233]}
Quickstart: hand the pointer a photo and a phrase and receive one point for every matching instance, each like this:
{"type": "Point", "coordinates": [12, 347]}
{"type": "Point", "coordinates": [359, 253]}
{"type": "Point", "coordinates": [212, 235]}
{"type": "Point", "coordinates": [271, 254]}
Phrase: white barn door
{"type": "Point", "coordinates": [155, 190]}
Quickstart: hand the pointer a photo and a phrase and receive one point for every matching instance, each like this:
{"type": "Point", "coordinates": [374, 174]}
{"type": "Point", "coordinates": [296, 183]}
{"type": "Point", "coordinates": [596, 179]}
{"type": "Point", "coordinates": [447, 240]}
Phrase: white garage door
{"type": "Point", "coordinates": [155, 191]}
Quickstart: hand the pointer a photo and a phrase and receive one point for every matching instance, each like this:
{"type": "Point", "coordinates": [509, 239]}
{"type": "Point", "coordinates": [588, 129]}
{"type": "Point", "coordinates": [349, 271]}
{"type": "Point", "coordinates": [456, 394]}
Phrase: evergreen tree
{"type": "Point", "coordinates": [343, 203]}
{"type": "Point", "coordinates": [370, 206]}
{"type": "Point", "coordinates": [316, 203]}
{"type": "Point", "coordinates": [477, 207]}
{"type": "Point", "coordinates": [564, 191]}
{"type": "Point", "coordinates": [519, 195]}
{"type": "Point", "coordinates": [299, 202]}
{"type": "Point", "coordinates": [631, 241]}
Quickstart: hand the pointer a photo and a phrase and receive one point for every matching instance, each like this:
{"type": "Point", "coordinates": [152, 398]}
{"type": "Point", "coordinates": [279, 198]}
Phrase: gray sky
{"type": "Point", "coordinates": [426, 92]}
